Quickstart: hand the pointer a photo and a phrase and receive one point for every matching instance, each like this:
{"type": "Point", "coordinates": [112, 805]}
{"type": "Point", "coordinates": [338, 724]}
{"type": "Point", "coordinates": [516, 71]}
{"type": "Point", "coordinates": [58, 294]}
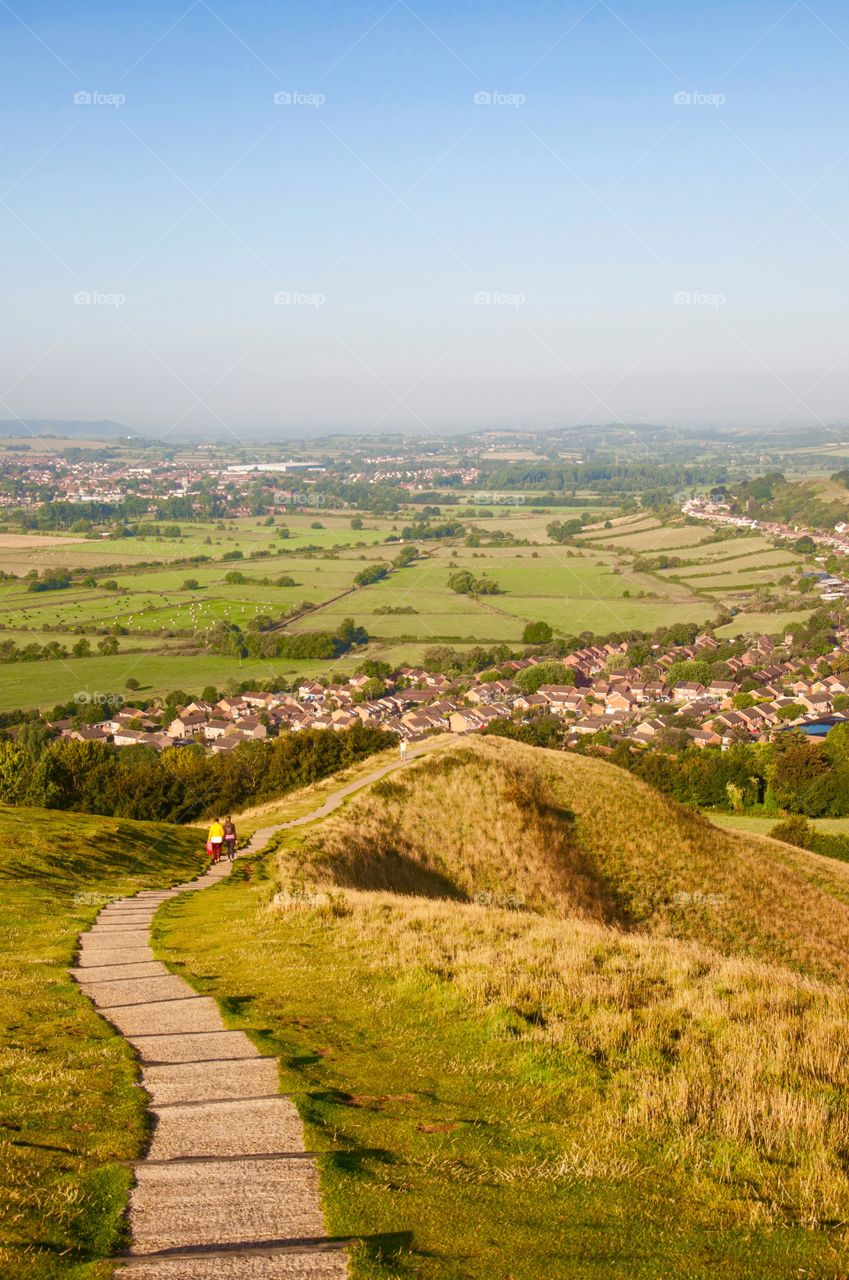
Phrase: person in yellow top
{"type": "Point", "coordinates": [216, 839]}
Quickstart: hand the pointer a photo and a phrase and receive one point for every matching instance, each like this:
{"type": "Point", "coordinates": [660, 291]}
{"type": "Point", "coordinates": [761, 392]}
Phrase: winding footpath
{"type": "Point", "coordinates": [226, 1190]}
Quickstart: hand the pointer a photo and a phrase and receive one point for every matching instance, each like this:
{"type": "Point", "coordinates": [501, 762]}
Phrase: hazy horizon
{"type": "Point", "coordinates": [228, 220]}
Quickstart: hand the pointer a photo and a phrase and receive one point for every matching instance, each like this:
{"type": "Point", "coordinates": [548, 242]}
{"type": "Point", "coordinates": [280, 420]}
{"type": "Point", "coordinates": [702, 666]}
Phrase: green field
{"type": "Point", "coordinates": [590, 587]}
{"type": "Point", "coordinates": [213, 538]}
{"type": "Point", "coordinates": [762, 826]}
{"type": "Point", "coordinates": [44, 684]}
{"type": "Point", "coordinates": [71, 1114]}
{"type": "Point", "coordinates": [649, 539]}
{"type": "Point", "coordinates": [770, 624]}
{"type": "Point", "coordinates": [573, 593]}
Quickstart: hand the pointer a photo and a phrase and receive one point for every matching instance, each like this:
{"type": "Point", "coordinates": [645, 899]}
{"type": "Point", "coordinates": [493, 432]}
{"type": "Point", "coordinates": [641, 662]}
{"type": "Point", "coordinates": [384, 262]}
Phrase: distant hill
{"type": "Point", "coordinates": [65, 428]}
{"type": "Point", "coordinates": [577, 836]}
{"type": "Point", "coordinates": [810, 504]}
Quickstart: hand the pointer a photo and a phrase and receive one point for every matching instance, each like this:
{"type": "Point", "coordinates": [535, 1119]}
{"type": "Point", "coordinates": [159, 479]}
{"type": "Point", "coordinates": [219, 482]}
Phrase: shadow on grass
{"type": "Point", "coordinates": [357, 1160]}
{"type": "Point", "coordinates": [235, 1005]}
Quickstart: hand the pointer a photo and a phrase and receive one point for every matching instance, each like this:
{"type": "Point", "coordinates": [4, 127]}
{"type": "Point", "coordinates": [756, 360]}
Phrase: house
{"type": "Point", "coordinates": [252, 727]}
{"type": "Point", "coordinates": [90, 733]}
{"type": "Point", "coordinates": [262, 701]}
{"type": "Point", "coordinates": [647, 730]}
{"type": "Point", "coordinates": [465, 721]}
{"type": "Point", "coordinates": [687, 691]}
{"type": "Point", "coordinates": [311, 692]}
{"type": "Point", "coordinates": [531, 702]}
{"type": "Point", "coordinates": [129, 737]}
{"type": "Point", "coordinates": [197, 705]}
{"type": "Point", "coordinates": [591, 724]}
{"type": "Point", "coordinates": [816, 703]}
{"type": "Point", "coordinates": [618, 701]}
{"type": "Point", "coordinates": [189, 724]}
{"type": "Point", "coordinates": [228, 706]}
{"type": "Point", "coordinates": [411, 697]}
{"type": "Point", "coordinates": [704, 738]}
{"type": "Point", "coordinates": [342, 719]}
{"type": "Point", "coordinates": [418, 723]}
{"type": "Point", "coordinates": [216, 728]}
{"type": "Point", "coordinates": [557, 692]}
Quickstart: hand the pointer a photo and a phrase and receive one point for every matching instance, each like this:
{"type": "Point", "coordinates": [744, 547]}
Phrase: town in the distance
{"type": "Point", "coordinates": [640, 587]}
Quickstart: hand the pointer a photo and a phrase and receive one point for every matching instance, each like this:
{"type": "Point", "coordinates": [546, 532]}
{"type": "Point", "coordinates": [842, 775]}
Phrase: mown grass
{"type": "Point", "coordinates": [70, 1108]}
{"type": "Point", "coordinates": [641, 1070]}
{"type": "Point", "coordinates": [504, 1096]}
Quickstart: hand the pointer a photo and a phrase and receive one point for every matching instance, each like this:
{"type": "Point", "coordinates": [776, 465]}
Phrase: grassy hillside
{"type": "Point", "coordinates": [609, 1081]}
{"type": "Point", "coordinates": [811, 504]}
{"type": "Point", "coordinates": [577, 836]}
{"type": "Point", "coordinates": [69, 1109]}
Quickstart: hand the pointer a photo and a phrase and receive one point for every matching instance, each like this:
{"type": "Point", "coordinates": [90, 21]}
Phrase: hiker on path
{"type": "Point", "coordinates": [403, 749]}
{"type": "Point", "coordinates": [230, 838]}
{"type": "Point", "coordinates": [216, 839]}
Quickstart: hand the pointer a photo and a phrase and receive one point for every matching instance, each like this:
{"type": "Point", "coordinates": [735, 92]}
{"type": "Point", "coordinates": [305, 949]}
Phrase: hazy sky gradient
{"type": "Point", "coordinates": [584, 211]}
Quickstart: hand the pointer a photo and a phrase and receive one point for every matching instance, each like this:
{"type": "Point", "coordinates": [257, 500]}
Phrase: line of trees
{"type": "Point", "coordinates": [179, 785]}
{"type": "Point", "coordinates": [791, 775]}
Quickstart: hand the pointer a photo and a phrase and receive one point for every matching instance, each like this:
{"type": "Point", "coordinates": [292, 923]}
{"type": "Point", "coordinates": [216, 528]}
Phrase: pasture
{"type": "Point", "coordinates": [574, 593]}
{"type": "Point", "coordinates": [591, 586]}
{"type": "Point", "coordinates": [769, 624]}
{"type": "Point", "coordinates": [45, 684]}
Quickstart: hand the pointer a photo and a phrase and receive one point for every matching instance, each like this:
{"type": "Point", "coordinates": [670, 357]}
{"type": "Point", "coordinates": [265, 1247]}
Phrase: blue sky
{"type": "Point", "coordinates": [514, 215]}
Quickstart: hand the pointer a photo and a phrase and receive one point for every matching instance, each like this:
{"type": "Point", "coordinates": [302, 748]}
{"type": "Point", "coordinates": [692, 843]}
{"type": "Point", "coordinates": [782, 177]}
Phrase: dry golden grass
{"type": "Point", "coordinates": [459, 825]}
{"type": "Point", "coordinates": [683, 984]}
{"type": "Point", "coordinates": [725, 1071]}
{"type": "Point", "coordinates": [307, 799]}
{"type": "Point", "coordinates": [640, 964]}
{"type": "Point", "coordinates": [577, 836]}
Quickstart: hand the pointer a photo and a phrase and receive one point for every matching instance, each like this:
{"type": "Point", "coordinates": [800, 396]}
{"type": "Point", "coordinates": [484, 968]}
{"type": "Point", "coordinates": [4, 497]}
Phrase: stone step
{"type": "Point", "coordinates": [288, 1263]}
{"type": "Point", "coordinates": [137, 917]}
{"type": "Point", "coordinates": [197, 1081]}
{"type": "Point", "coordinates": [98, 954]}
{"type": "Point", "coordinates": [136, 990]}
{"type": "Point", "coordinates": [120, 973]}
{"type": "Point", "coordinates": [252, 1126]}
{"type": "Point", "coordinates": [109, 936]}
{"type": "Point", "coordinates": [188, 1048]}
{"type": "Point", "coordinates": [225, 1202]}
{"type": "Point", "coordinates": [189, 1014]}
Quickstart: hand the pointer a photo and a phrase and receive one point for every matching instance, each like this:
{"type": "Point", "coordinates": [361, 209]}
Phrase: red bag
{"type": "Point", "coordinates": [210, 849]}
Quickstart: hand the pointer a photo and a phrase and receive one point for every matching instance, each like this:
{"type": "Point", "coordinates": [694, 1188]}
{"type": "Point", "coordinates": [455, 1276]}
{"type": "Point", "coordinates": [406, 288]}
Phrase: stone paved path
{"type": "Point", "coordinates": [226, 1190]}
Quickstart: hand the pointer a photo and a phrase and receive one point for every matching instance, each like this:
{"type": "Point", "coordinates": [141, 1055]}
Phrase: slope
{"type": "Point", "coordinates": [576, 836]}
{"type": "Point", "coordinates": [70, 1109]}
